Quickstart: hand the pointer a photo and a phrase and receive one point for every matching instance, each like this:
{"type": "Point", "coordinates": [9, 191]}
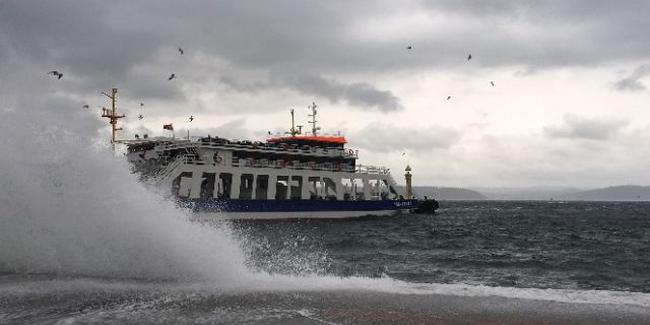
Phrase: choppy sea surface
{"type": "Point", "coordinates": [525, 244]}
{"type": "Point", "coordinates": [470, 263]}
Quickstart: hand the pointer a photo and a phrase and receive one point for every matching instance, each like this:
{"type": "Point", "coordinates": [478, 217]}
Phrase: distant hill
{"type": "Point", "coordinates": [526, 193]}
{"type": "Point", "coordinates": [447, 193]}
{"type": "Point", "coordinates": [613, 193]}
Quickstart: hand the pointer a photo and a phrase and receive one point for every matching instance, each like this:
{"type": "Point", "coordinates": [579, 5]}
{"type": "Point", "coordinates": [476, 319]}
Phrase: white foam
{"type": "Point", "coordinates": [388, 285]}
{"type": "Point", "coordinates": [68, 206]}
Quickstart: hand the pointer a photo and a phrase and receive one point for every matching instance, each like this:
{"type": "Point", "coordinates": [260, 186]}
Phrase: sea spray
{"type": "Point", "coordinates": [71, 207]}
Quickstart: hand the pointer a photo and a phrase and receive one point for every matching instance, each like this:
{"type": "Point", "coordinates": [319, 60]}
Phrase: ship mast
{"type": "Point", "coordinates": [314, 128]}
{"type": "Point", "coordinates": [293, 130]}
{"type": "Point", "coordinates": [112, 115]}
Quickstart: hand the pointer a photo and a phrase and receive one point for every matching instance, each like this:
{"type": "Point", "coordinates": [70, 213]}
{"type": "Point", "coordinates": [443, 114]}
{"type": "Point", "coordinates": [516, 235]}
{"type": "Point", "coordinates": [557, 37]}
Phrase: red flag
{"type": "Point", "coordinates": [168, 127]}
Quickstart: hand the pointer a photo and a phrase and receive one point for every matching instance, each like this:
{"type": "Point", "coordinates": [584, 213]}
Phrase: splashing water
{"type": "Point", "coordinates": [69, 206]}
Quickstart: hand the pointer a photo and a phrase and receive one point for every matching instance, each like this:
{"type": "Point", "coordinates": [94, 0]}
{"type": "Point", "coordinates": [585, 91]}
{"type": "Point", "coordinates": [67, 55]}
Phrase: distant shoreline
{"type": "Point", "coordinates": [622, 193]}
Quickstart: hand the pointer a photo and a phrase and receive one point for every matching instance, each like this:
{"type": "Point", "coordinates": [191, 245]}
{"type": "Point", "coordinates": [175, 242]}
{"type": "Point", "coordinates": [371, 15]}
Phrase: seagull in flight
{"type": "Point", "coordinates": [172, 76]}
{"type": "Point", "coordinates": [86, 106]}
{"type": "Point", "coordinates": [180, 50]}
{"type": "Point", "coordinates": [469, 57]}
{"type": "Point", "coordinates": [140, 117]}
{"type": "Point", "coordinates": [57, 74]}
{"type": "Point", "coordinates": [448, 97]}
{"type": "Point", "coordinates": [141, 104]}
{"type": "Point", "coordinates": [492, 83]}
{"type": "Point", "coordinates": [410, 47]}
{"type": "Point", "coordinates": [191, 118]}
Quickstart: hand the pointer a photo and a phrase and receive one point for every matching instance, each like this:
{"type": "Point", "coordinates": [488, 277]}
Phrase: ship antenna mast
{"type": "Point", "coordinates": [314, 128]}
{"type": "Point", "coordinates": [112, 115]}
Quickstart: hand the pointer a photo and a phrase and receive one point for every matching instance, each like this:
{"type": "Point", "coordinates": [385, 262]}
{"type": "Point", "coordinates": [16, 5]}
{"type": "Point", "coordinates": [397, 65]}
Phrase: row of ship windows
{"type": "Point", "coordinates": [264, 187]}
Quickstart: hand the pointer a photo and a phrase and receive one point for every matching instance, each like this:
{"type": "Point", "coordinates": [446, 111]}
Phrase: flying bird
{"type": "Point", "coordinates": [172, 76]}
{"type": "Point", "coordinates": [448, 97]}
{"type": "Point", "coordinates": [86, 106]}
{"type": "Point", "coordinates": [180, 50]}
{"type": "Point", "coordinates": [57, 74]}
{"type": "Point", "coordinates": [403, 153]}
{"type": "Point", "coordinates": [469, 57]}
{"type": "Point", "coordinates": [410, 47]}
{"type": "Point", "coordinates": [191, 118]}
{"type": "Point", "coordinates": [141, 104]}
{"type": "Point", "coordinates": [140, 117]}
{"type": "Point", "coordinates": [492, 83]}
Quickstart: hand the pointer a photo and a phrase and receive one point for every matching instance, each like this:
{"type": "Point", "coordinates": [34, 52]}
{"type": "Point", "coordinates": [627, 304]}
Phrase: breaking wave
{"type": "Point", "coordinates": [69, 206]}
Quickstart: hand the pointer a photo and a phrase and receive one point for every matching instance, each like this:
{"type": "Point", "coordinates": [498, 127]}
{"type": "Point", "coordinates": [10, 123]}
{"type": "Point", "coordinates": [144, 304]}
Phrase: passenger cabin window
{"type": "Point", "coordinates": [182, 184]}
{"type": "Point", "coordinates": [296, 188]}
{"type": "Point", "coordinates": [225, 184]}
{"type": "Point", "coordinates": [282, 188]}
{"type": "Point", "coordinates": [246, 186]}
{"type": "Point", "coordinates": [207, 186]}
{"type": "Point", "coordinates": [262, 187]}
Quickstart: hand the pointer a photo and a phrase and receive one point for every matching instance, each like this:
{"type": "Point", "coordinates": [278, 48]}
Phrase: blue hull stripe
{"type": "Point", "coordinates": [214, 205]}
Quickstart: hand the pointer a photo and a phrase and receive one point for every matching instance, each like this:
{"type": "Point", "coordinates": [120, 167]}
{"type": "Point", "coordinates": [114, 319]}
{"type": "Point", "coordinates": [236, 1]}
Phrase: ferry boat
{"type": "Point", "coordinates": [293, 175]}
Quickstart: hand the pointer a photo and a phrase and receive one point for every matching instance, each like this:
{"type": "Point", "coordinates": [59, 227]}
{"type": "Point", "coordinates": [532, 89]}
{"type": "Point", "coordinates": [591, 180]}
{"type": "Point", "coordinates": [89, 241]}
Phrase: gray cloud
{"type": "Point", "coordinates": [632, 82]}
{"type": "Point", "coordinates": [359, 94]}
{"type": "Point", "coordinates": [106, 41]}
{"type": "Point", "coordinates": [132, 45]}
{"type": "Point", "coordinates": [383, 137]}
{"type": "Point", "coordinates": [575, 127]}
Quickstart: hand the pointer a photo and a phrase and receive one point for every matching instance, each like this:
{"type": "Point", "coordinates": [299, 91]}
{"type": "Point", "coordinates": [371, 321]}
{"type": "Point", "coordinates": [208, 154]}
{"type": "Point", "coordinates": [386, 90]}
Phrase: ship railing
{"type": "Point", "coordinates": [258, 146]}
{"type": "Point", "coordinates": [192, 159]}
{"type": "Point", "coordinates": [294, 165]}
{"type": "Point", "coordinates": [164, 173]}
{"type": "Point", "coordinates": [373, 170]}
{"type": "Point", "coordinates": [347, 153]}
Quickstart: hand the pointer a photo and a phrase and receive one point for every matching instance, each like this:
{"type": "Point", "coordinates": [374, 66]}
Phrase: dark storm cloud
{"type": "Point", "coordinates": [632, 82]}
{"type": "Point", "coordinates": [575, 127]}
{"type": "Point", "coordinates": [78, 37]}
{"type": "Point", "coordinates": [105, 40]}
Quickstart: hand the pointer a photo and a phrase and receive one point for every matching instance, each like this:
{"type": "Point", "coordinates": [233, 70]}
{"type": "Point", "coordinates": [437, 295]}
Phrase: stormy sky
{"type": "Point", "coordinates": [570, 105]}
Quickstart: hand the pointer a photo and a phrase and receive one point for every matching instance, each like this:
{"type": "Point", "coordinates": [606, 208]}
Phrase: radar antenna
{"type": "Point", "coordinates": [314, 128]}
{"type": "Point", "coordinates": [112, 115]}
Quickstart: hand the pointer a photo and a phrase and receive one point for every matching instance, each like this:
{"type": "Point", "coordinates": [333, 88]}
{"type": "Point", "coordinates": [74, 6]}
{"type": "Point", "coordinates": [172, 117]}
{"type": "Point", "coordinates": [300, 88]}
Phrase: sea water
{"type": "Point", "coordinates": [83, 241]}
